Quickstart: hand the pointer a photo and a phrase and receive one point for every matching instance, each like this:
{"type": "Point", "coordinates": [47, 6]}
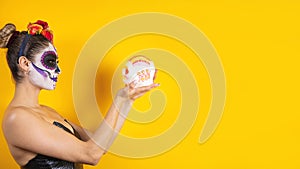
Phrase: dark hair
{"type": "Point", "coordinates": [12, 39]}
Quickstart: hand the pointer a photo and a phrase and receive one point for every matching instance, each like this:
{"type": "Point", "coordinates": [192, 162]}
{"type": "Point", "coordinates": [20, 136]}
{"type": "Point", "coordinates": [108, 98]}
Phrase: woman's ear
{"type": "Point", "coordinates": [24, 64]}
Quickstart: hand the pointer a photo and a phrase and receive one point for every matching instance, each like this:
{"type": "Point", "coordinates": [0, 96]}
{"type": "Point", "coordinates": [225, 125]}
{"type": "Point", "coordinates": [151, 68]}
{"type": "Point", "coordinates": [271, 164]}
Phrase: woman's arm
{"type": "Point", "coordinates": [24, 129]}
{"type": "Point", "coordinates": [123, 105]}
{"type": "Point", "coordinates": [116, 115]}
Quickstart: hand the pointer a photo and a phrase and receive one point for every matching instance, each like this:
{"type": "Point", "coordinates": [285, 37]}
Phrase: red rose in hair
{"type": "Point", "coordinates": [42, 23]}
{"type": "Point", "coordinates": [47, 34]}
{"type": "Point", "coordinates": [34, 29]}
{"type": "Point", "coordinates": [40, 27]}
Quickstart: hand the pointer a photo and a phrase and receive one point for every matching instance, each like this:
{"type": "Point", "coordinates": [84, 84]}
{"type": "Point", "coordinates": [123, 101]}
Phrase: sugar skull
{"type": "Point", "coordinates": [44, 70]}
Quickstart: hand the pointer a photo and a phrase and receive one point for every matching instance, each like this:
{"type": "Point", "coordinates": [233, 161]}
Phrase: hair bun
{"type": "Point", "coordinates": [5, 33]}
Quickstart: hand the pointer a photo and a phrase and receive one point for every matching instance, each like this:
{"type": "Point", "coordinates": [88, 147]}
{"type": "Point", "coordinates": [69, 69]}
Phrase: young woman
{"type": "Point", "coordinates": [37, 136]}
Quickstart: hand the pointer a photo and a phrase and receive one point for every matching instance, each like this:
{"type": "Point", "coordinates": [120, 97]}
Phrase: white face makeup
{"type": "Point", "coordinates": [43, 70]}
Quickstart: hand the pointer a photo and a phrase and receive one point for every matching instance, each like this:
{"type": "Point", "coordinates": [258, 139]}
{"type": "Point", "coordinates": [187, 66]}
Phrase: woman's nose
{"type": "Point", "coordinates": [57, 70]}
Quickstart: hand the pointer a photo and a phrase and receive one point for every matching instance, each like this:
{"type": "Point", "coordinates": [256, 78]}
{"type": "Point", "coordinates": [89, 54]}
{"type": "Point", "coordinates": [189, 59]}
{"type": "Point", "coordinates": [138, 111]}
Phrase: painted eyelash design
{"type": "Point", "coordinates": [43, 58]}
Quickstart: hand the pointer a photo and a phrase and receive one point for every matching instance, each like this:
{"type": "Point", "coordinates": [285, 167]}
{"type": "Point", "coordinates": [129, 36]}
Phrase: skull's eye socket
{"type": "Point", "coordinates": [49, 60]}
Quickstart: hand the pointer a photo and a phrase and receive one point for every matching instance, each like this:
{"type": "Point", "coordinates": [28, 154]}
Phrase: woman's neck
{"type": "Point", "coordinates": [26, 95]}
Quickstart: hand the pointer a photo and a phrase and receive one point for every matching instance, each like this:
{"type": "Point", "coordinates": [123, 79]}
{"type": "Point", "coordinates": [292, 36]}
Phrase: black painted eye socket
{"type": "Point", "coordinates": [49, 60]}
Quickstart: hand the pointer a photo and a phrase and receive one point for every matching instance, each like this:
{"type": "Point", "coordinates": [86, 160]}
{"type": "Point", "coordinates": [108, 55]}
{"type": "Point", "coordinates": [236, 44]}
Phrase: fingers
{"type": "Point", "coordinates": [132, 93]}
{"type": "Point", "coordinates": [131, 85]}
{"type": "Point", "coordinates": [140, 91]}
{"type": "Point", "coordinates": [143, 89]}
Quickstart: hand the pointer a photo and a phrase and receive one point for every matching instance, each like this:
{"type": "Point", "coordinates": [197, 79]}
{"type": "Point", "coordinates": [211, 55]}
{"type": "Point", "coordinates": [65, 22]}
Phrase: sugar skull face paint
{"type": "Point", "coordinates": [44, 69]}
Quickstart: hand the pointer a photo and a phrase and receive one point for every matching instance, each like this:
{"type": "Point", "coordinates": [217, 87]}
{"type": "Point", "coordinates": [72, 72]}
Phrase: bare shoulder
{"type": "Point", "coordinates": [48, 108]}
{"type": "Point", "coordinates": [52, 111]}
{"type": "Point", "coordinates": [16, 115]}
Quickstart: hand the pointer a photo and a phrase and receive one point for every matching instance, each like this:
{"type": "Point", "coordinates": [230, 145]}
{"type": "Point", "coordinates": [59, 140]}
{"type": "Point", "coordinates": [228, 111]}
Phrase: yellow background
{"type": "Point", "coordinates": [258, 44]}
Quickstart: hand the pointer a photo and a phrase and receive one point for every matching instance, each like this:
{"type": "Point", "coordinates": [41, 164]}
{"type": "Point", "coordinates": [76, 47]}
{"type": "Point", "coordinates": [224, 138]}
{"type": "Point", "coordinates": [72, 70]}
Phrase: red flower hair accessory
{"type": "Point", "coordinates": [40, 27]}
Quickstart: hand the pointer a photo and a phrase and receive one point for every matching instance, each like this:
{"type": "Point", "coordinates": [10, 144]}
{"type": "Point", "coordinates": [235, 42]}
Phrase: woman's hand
{"type": "Point", "coordinates": [132, 93]}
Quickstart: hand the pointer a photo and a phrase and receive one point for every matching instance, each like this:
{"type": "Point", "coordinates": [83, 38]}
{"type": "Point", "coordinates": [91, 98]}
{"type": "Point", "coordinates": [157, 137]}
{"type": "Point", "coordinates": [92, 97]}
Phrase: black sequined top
{"type": "Point", "coordinates": [46, 162]}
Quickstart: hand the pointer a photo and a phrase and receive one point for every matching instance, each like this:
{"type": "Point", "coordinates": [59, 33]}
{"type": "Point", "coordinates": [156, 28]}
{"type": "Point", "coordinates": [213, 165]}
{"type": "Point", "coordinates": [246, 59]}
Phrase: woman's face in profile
{"type": "Point", "coordinates": [44, 68]}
